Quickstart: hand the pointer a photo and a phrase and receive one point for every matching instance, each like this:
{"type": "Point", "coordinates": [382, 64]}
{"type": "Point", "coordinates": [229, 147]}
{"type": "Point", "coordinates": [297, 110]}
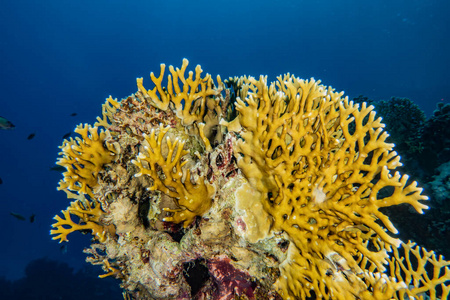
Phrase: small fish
{"type": "Point", "coordinates": [5, 124]}
{"type": "Point", "coordinates": [63, 249]}
{"type": "Point", "coordinates": [67, 135]}
{"type": "Point", "coordinates": [18, 216]}
{"type": "Point", "coordinates": [58, 168]}
{"type": "Point", "coordinates": [1, 181]}
{"type": "Point", "coordinates": [73, 114]}
{"type": "Point", "coordinates": [31, 136]}
{"type": "Point", "coordinates": [32, 217]}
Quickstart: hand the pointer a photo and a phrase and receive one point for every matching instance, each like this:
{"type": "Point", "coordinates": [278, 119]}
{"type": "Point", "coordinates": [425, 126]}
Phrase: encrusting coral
{"type": "Point", "coordinates": [262, 191]}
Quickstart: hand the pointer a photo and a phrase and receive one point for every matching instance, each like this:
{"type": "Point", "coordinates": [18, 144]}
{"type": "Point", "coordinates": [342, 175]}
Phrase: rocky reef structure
{"type": "Point", "coordinates": [268, 191]}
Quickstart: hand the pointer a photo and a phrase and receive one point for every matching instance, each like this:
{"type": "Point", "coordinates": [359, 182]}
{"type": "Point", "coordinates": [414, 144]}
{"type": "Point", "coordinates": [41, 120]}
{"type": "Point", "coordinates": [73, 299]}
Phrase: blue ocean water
{"type": "Point", "coordinates": [59, 58]}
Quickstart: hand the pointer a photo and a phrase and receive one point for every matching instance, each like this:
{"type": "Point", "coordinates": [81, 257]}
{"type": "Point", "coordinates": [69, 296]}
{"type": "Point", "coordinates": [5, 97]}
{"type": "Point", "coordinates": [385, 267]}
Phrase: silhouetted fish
{"type": "Point", "coordinates": [73, 114]}
{"type": "Point", "coordinates": [18, 216]}
{"type": "Point", "coordinates": [5, 124]}
{"type": "Point", "coordinates": [63, 249]}
{"type": "Point", "coordinates": [31, 136]}
{"type": "Point", "coordinates": [67, 135]}
{"type": "Point", "coordinates": [32, 218]}
{"type": "Point", "coordinates": [58, 168]}
{"type": "Point", "coordinates": [1, 181]}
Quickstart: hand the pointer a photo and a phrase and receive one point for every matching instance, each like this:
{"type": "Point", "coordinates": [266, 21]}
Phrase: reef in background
{"type": "Point", "coordinates": [243, 189]}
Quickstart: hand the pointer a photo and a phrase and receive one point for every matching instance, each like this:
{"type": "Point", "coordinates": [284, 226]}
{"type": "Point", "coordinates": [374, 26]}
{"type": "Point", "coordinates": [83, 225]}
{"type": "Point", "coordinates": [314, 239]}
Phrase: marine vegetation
{"type": "Point", "coordinates": [260, 190]}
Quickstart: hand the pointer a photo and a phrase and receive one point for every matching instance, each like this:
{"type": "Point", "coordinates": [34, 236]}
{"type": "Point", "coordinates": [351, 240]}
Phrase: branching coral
{"type": "Point", "coordinates": [193, 100]}
{"type": "Point", "coordinates": [189, 100]}
{"type": "Point", "coordinates": [89, 215]}
{"type": "Point", "coordinates": [326, 169]}
{"type": "Point", "coordinates": [168, 177]}
{"type": "Point", "coordinates": [405, 122]}
{"type": "Point", "coordinates": [84, 158]}
{"type": "Point", "coordinates": [280, 190]}
{"type": "Point", "coordinates": [421, 270]}
{"type": "Point", "coordinates": [108, 109]}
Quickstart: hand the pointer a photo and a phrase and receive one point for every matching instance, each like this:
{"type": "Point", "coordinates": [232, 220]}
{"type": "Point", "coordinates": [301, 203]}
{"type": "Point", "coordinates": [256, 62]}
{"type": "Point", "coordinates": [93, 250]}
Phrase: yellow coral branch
{"type": "Point", "coordinates": [189, 96]}
{"type": "Point", "coordinates": [194, 196]}
{"type": "Point", "coordinates": [111, 271]}
{"type": "Point", "coordinates": [421, 270]}
{"type": "Point", "coordinates": [84, 158]}
{"type": "Point", "coordinates": [151, 96]}
{"type": "Point", "coordinates": [89, 220]}
{"type": "Point", "coordinates": [326, 169]}
{"type": "Point", "coordinates": [108, 109]}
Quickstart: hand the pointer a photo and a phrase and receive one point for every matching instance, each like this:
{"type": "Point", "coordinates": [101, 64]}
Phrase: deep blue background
{"type": "Point", "coordinates": [63, 57]}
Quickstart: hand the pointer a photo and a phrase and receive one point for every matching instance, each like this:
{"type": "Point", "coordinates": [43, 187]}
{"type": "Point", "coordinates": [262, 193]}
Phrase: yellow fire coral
{"type": "Point", "coordinates": [89, 214]}
{"type": "Point", "coordinates": [194, 199]}
{"type": "Point", "coordinates": [420, 270]}
{"type": "Point", "coordinates": [287, 183]}
{"type": "Point", "coordinates": [84, 157]}
{"type": "Point", "coordinates": [108, 109]}
{"type": "Point", "coordinates": [325, 169]}
{"type": "Point", "coordinates": [190, 99]}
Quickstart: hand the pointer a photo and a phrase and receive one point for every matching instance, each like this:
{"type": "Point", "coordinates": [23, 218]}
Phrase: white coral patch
{"type": "Point", "coordinates": [319, 195]}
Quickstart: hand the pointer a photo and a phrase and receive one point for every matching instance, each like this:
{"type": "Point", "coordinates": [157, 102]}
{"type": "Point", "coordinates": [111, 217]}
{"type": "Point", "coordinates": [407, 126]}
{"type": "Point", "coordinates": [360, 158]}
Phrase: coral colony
{"type": "Point", "coordinates": [269, 191]}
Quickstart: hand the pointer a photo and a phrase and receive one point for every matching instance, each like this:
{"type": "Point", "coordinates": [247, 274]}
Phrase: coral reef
{"type": "Point", "coordinates": [423, 145]}
{"type": "Point", "coordinates": [276, 191]}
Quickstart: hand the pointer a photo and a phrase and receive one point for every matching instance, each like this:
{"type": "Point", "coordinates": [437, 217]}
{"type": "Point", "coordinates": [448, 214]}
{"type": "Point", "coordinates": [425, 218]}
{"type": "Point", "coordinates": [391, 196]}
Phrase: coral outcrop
{"type": "Point", "coordinates": [260, 190]}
